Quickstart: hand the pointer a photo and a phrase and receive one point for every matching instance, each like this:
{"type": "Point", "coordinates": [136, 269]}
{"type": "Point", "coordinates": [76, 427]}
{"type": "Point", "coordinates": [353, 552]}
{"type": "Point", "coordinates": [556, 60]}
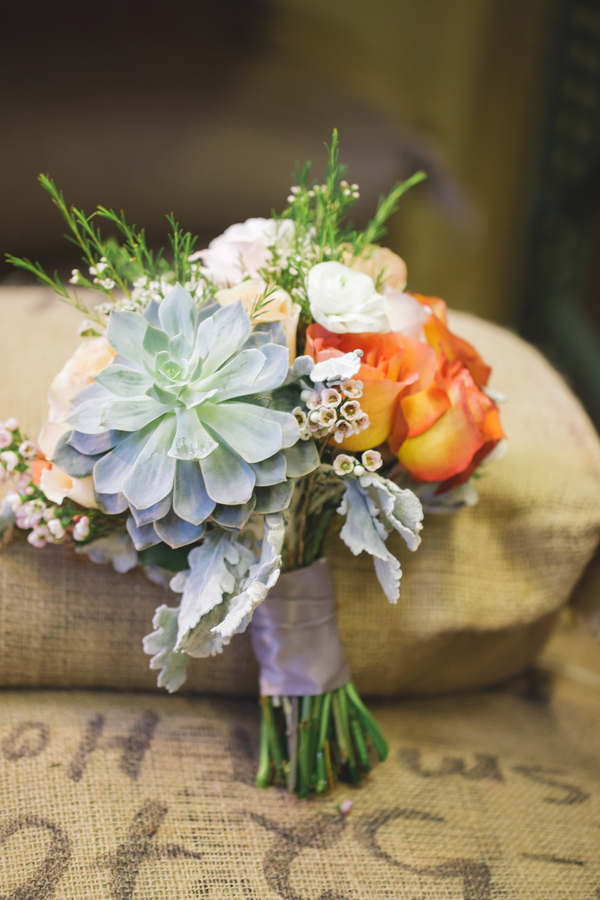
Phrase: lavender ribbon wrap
{"type": "Point", "coordinates": [295, 636]}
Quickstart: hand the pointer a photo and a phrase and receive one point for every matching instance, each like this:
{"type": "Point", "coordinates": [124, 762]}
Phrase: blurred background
{"type": "Point", "coordinates": [201, 108]}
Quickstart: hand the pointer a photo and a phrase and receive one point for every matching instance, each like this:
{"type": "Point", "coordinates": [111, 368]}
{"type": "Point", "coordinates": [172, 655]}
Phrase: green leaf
{"type": "Point", "coordinates": [175, 560]}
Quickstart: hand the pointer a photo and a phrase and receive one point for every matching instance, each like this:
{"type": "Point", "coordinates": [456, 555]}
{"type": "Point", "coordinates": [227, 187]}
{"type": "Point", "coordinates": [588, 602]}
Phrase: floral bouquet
{"type": "Point", "coordinates": [228, 408]}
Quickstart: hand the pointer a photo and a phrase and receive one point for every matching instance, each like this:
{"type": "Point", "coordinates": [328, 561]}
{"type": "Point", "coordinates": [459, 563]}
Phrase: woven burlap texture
{"type": "Point", "coordinates": [118, 797]}
{"type": "Point", "coordinates": [477, 600]}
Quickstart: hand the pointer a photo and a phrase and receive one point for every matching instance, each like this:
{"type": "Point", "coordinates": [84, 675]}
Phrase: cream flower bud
{"type": "Point", "coordinates": [82, 529]}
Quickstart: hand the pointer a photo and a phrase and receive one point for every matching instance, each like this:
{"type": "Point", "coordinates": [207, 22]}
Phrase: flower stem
{"type": "Point", "coordinates": [308, 743]}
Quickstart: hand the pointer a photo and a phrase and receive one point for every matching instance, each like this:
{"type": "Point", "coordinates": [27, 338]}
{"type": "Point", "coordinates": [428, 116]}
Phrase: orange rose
{"type": "Point", "coordinates": [394, 366]}
{"type": "Point", "coordinates": [453, 425]}
{"type": "Point", "coordinates": [453, 446]}
{"type": "Point", "coordinates": [424, 399]}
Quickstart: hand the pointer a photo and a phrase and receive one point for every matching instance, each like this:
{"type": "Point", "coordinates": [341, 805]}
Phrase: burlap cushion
{"type": "Point", "coordinates": [483, 796]}
{"type": "Point", "coordinates": [478, 599]}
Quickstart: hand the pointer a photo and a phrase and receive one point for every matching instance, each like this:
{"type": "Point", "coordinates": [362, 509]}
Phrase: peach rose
{"type": "Point", "coordinates": [56, 485]}
{"type": "Point", "coordinates": [384, 266]}
{"type": "Point", "coordinates": [278, 307]}
{"type": "Point", "coordinates": [92, 355]}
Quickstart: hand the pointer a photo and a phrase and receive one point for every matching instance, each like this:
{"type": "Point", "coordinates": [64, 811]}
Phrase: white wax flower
{"type": "Point", "coordinates": [343, 300]}
{"type": "Point", "coordinates": [10, 459]}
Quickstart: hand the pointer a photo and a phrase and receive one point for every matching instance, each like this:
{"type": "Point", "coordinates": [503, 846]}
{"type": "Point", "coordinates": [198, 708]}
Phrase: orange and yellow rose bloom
{"type": "Point", "coordinates": [424, 398]}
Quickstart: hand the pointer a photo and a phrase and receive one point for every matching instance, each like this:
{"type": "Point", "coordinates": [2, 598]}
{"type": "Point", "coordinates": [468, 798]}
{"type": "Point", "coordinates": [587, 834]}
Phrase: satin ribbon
{"type": "Point", "coordinates": [295, 636]}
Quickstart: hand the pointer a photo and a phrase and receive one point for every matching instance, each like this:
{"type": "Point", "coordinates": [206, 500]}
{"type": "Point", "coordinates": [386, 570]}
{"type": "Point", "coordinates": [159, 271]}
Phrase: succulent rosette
{"type": "Point", "coordinates": [178, 428]}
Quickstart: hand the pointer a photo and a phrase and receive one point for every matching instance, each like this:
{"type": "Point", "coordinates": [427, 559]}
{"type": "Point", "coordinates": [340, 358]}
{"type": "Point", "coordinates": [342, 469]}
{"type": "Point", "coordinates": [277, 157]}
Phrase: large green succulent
{"type": "Point", "coordinates": [179, 429]}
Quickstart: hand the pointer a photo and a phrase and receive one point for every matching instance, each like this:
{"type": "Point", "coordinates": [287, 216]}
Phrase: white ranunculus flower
{"type": "Point", "coordinates": [343, 300]}
{"type": "Point", "coordinates": [245, 248]}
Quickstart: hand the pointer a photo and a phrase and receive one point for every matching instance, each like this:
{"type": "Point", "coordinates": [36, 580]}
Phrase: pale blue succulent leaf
{"type": "Point", "coordinates": [123, 381]}
{"type": "Point", "coordinates": [301, 459]}
{"type": "Point", "coordinates": [152, 513]}
{"type": "Point", "coordinates": [130, 414]}
{"type": "Point", "coordinates": [156, 341]}
{"type": "Point", "coordinates": [112, 504]}
{"type": "Point", "coordinates": [192, 440]}
{"type": "Point", "coordinates": [91, 444]}
{"type": "Point", "coordinates": [201, 346]}
{"type": "Point", "coordinates": [166, 394]}
{"type": "Point", "coordinates": [267, 333]}
{"type": "Point", "coordinates": [70, 460]}
{"type": "Point", "coordinates": [111, 469]}
{"type": "Point", "coordinates": [274, 371]}
{"type": "Point", "coordinates": [125, 334]}
{"type": "Point", "coordinates": [236, 377]}
{"type": "Point", "coordinates": [142, 536]}
{"type": "Point", "coordinates": [153, 473]}
{"type": "Point", "coordinates": [208, 310]}
{"type": "Point", "coordinates": [177, 532]}
{"type": "Point", "coordinates": [193, 398]}
{"type": "Point", "coordinates": [270, 471]}
{"type": "Point", "coordinates": [151, 313]}
{"type": "Point", "coordinates": [191, 501]}
{"type": "Point", "coordinates": [275, 498]}
{"type": "Point", "coordinates": [231, 328]}
{"type": "Point", "coordinates": [227, 477]}
{"type": "Point", "coordinates": [245, 427]}
{"type": "Point", "coordinates": [233, 518]}
{"type": "Point", "coordinates": [92, 391]}
{"type": "Point", "coordinates": [290, 431]}
{"type": "Point", "coordinates": [179, 347]}
{"type": "Point", "coordinates": [177, 313]}
{"type": "Point", "coordinates": [86, 418]}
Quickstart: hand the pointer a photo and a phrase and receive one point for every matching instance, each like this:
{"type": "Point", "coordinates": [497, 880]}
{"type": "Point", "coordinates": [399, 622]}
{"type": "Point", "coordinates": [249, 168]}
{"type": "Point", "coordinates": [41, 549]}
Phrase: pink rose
{"type": "Point", "coordinates": [245, 248]}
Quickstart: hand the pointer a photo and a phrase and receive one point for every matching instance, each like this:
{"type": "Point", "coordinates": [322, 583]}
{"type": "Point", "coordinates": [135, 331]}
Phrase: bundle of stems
{"type": "Point", "coordinates": [309, 743]}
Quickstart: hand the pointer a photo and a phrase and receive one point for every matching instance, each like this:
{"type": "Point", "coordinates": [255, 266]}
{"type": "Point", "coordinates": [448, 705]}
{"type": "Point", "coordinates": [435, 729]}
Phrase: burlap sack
{"type": "Point", "coordinates": [118, 797]}
{"type": "Point", "coordinates": [478, 598]}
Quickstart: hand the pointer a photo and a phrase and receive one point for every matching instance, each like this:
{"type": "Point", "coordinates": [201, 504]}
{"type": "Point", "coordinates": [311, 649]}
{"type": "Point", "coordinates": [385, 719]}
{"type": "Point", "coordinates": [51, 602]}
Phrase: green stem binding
{"type": "Point", "coordinates": [309, 743]}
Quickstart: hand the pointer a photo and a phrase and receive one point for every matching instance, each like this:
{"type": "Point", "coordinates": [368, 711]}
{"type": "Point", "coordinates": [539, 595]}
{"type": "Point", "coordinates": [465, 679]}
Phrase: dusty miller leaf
{"type": "Point", "coordinates": [161, 645]}
{"type": "Point", "coordinates": [362, 530]}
